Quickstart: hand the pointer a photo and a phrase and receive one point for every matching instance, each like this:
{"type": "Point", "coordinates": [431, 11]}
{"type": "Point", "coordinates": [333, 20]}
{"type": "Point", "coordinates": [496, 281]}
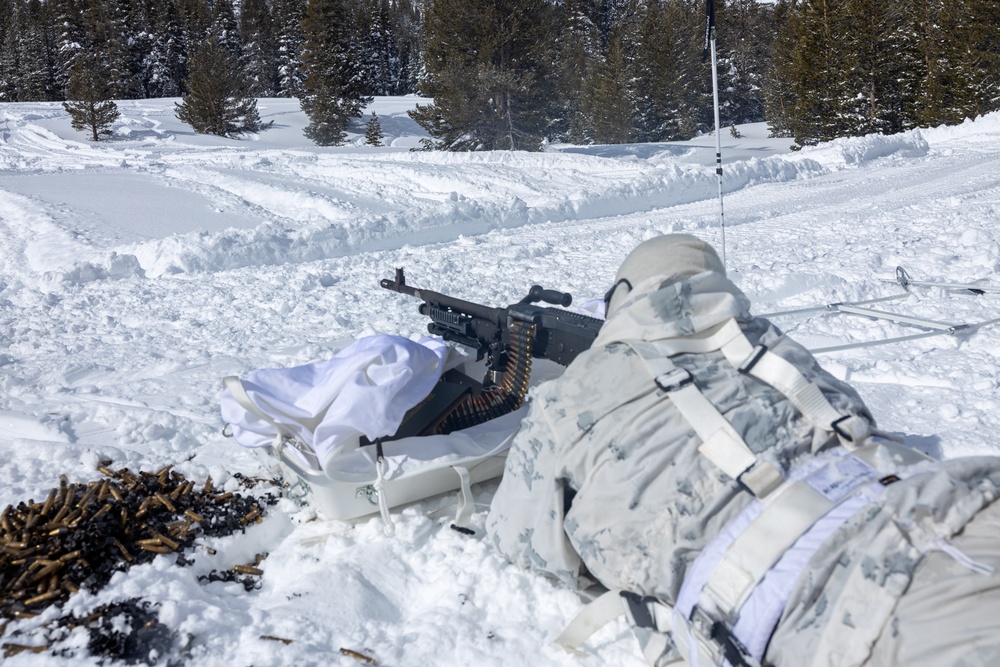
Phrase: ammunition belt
{"type": "Point", "coordinates": [503, 397]}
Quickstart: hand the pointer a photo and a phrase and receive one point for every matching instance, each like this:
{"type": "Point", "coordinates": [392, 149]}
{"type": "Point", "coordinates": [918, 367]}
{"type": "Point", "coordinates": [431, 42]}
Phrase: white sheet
{"type": "Point", "coordinates": [365, 389]}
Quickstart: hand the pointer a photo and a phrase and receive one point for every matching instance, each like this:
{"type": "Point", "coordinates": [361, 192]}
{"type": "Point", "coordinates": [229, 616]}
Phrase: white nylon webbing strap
{"type": "Point", "coordinates": [388, 527]}
{"type": "Point", "coordinates": [775, 370]}
{"type": "Point", "coordinates": [744, 575]}
{"type": "Point", "coordinates": [768, 367]}
{"type": "Point", "coordinates": [760, 546]}
{"type": "Point", "coordinates": [598, 613]}
{"type": "Point", "coordinates": [466, 502]}
{"type": "Point", "coordinates": [697, 650]}
{"type": "Point", "coordinates": [721, 444]}
{"type": "Point", "coordinates": [606, 608]}
{"type": "Point", "coordinates": [726, 336]}
{"type": "Point", "coordinates": [785, 518]}
{"type": "Point", "coordinates": [763, 479]}
{"type": "Point", "coordinates": [654, 648]}
{"type": "Point", "coordinates": [651, 614]}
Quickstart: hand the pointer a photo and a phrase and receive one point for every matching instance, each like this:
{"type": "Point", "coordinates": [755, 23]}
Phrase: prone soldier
{"type": "Point", "coordinates": [738, 499]}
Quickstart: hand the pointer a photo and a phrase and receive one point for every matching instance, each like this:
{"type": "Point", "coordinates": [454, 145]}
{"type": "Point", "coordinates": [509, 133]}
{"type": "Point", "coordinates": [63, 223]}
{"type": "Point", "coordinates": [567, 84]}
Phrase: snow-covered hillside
{"type": "Point", "coordinates": [136, 273]}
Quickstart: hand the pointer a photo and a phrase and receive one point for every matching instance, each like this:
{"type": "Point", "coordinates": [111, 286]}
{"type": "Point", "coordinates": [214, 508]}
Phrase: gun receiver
{"type": "Point", "coordinates": [558, 335]}
{"type": "Point", "coordinates": [507, 337]}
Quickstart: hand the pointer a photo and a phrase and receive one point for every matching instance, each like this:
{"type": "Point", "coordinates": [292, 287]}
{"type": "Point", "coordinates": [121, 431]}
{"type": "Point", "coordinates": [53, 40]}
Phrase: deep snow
{"type": "Point", "coordinates": [136, 273]}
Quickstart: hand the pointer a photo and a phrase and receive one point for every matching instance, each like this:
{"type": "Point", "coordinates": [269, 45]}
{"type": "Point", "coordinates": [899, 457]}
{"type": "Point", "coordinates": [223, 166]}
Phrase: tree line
{"type": "Point", "coordinates": [853, 67]}
{"type": "Point", "coordinates": [147, 45]}
{"type": "Point", "coordinates": [514, 74]}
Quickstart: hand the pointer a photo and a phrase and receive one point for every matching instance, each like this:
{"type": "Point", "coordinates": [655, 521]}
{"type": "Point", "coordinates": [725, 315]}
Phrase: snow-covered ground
{"type": "Point", "coordinates": [136, 273]}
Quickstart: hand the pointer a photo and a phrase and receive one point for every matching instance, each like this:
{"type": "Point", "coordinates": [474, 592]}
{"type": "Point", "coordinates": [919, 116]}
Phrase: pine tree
{"type": "Point", "coordinates": [381, 52]}
{"type": "Point", "coordinates": [109, 32]}
{"type": "Point", "coordinates": [89, 92]}
{"type": "Point", "coordinates": [334, 86]}
{"type": "Point", "coordinates": [224, 29]}
{"type": "Point", "coordinates": [219, 98]}
{"type": "Point", "coordinates": [260, 49]}
{"type": "Point", "coordinates": [195, 19]}
{"type": "Point", "coordinates": [669, 83]}
{"type": "Point", "coordinates": [608, 108]}
{"type": "Point", "coordinates": [408, 26]}
{"type": "Point", "coordinates": [577, 50]}
{"type": "Point", "coordinates": [817, 72]}
{"type": "Point", "coordinates": [878, 55]}
{"type": "Point", "coordinates": [779, 86]}
{"type": "Point", "coordinates": [288, 16]}
{"type": "Point", "coordinates": [36, 80]}
{"type": "Point", "coordinates": [10, 52]}
{"type": "Point", "coordinates": [959, 46]}
{"type": "Point", "coordinates": [8, 9]}
{"type": "Point", "coordinates": [983, 66]}
{"type": "Point", "coordinates": [746, 31]}
{"type": "Point", "coordinates": [486, 61]}
{"type": "Point", "coordinates": [69, 40]}
{"type": "Point", "coordinates": [373, 131]}
{"type": "Point", "coordinates": [165, 65]}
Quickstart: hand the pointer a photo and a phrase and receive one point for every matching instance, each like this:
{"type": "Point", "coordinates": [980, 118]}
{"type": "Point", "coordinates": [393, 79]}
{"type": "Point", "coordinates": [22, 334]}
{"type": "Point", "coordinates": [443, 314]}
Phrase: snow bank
{"type": "Point", "coordinates": [135, 273]}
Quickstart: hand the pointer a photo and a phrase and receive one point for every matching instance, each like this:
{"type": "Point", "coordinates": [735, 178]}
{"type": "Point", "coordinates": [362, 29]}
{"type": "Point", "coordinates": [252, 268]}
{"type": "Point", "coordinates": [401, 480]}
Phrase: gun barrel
{"type": "Point", "coordinates": [398, 285]}
{"type": "Point", "coordinates": [437, 304]}
{"type": "Point", "coordinates": [560, 335]}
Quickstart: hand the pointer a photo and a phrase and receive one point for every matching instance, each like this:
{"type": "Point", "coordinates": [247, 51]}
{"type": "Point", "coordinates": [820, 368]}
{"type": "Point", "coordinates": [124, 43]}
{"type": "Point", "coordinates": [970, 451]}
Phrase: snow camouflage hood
{"type": "Point", "coordinates": [605, 483]}
{"type": "Point", "coordinates": [671, 254]}
{"type": "Point", "coordinates": [671, 306]}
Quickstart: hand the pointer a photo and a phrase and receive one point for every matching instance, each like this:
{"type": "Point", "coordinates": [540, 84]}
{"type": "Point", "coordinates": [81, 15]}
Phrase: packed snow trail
{"type": "Point", "coordinates": [136, 273]}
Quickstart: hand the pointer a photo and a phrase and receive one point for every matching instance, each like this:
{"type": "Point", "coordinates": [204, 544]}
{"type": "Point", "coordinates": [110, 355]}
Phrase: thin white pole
{"type": "Point", "coordinates": [718, 139]}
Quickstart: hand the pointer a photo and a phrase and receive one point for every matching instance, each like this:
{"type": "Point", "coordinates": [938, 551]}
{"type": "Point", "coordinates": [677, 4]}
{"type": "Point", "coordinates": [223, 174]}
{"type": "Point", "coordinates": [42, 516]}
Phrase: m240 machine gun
{"type": "Point", "coordinates": [508, 338]}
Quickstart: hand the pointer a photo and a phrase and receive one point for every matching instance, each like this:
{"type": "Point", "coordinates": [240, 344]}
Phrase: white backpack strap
{"type": "Point", "coordinates": [776, 371]}
{"type": "Point", "coordinates": [595, 615]}
{"type": "Point", "coordinates": [642, 612]}
{"type": "Point", "coordinates": [388, 527]}
{"type": "Point", "coordinates": [773, 369]}
{"type": "Point", "coordinates": [466, 501]}
{"type": "Point", "coordinates": [721, 444]}
{"type": "Point", "coordinates": [738, 586]}
{"type": "Point", "coordinates": [755, 551]}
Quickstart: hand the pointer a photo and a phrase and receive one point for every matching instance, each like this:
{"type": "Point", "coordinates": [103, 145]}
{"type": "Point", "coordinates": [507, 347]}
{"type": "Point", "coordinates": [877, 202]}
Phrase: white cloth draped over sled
{"type": "Point", "coordinates": [310, 419]}
{"type": "Point", "coordinates": [365, 389]}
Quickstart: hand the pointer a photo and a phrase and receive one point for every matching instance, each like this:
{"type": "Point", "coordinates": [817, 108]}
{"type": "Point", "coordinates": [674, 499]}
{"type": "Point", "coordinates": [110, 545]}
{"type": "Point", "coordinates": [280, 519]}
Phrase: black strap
{"type": "Point", "coordinates": [734, 650]}
{"type": "Point", "coordinates": [611, 292]}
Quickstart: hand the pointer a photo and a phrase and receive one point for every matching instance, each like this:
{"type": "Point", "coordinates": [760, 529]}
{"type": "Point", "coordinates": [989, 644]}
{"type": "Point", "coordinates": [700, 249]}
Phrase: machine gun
{"type": "Point", "coordinates": [508, 338]}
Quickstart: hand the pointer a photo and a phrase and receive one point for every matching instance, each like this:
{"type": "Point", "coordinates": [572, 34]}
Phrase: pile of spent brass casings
{"type": "Point", "coordinates": [81, 534]}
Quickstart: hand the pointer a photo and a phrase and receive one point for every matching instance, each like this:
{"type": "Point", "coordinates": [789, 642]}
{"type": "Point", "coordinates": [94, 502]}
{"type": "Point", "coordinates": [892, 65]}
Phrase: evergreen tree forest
{"type": "Point", "coordinates": [514, 74]}
{"type": "Point", "coordinates": [853, 67]}
{"type": "Point", "coordinates": [147, 45]}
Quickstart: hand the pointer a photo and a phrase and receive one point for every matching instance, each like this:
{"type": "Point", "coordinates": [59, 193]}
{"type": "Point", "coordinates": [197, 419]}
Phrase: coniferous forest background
{"type": "Point", "coordinates": [513, 74]}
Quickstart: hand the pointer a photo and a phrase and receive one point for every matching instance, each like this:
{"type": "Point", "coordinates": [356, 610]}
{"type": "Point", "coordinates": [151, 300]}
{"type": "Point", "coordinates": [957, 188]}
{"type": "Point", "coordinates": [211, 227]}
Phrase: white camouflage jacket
{"type": "Point", "coordinates": [605, 482]}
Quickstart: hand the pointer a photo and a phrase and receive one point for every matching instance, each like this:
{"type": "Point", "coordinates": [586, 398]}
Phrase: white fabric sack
{"type": "Point", "coordinates": [365, 389]}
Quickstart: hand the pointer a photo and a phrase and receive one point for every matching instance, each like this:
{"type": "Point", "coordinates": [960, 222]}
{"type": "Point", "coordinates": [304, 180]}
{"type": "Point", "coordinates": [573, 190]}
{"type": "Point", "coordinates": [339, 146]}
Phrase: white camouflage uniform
{"type": "Point", "coordinates": [605, 483]}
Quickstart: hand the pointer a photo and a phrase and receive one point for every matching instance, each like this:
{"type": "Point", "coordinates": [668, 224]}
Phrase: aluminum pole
{"type": "Point", "coordinates": [718, 143]}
